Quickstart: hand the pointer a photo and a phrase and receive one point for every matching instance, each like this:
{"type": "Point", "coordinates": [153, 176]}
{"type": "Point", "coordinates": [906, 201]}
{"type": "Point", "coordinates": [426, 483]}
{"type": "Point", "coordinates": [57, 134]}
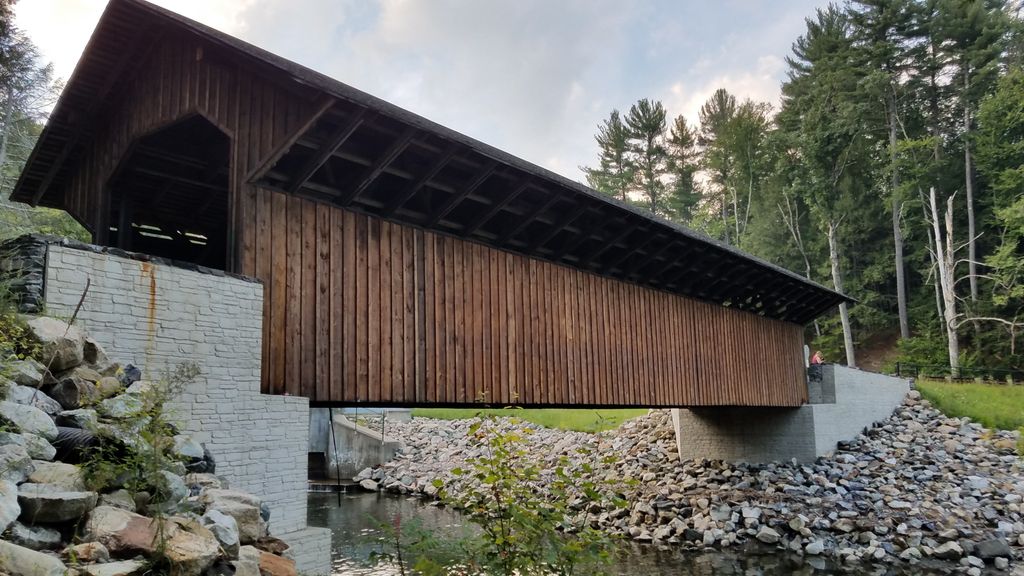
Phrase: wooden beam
{"type": "Point", "coordinates": [640, 263]}
{"type": "Point", "coordinates": [324, 103]}
{"type": "Point", "coordinates": [497, 206]}
{"type": "Point", "coordinates": [457, 197]}
{"type": "Point", "coordinates": [327, 149]}
{"type": "Point", "coordinates": [609, 266]}
{"type": "Point", "coordinates": [526, 219]}
{"type": "Point", "coordinates": [561, 224]}
{"type": "Point", "coordinates": [389, 156]}
{"type": "Point", "coordinates": [422, 181]}
{"type": "Point", "coordinates": [630, 227]}
{"type": "Point", "coordinates": [89, 118]}
{"type": "Point", "coordinates": [181, 179]}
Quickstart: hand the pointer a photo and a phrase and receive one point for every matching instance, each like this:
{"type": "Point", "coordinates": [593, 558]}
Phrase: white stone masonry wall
{"type": "Point", "coordinates": [159, 316]}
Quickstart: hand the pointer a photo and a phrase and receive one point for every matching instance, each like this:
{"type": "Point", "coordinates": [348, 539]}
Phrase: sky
{"type": "Point", "coordinates": [532, 77]}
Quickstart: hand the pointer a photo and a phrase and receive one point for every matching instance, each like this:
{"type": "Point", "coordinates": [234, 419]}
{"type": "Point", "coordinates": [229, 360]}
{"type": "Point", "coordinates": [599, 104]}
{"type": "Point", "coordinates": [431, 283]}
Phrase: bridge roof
{"type": "Point", "coordinates": [368, 155]}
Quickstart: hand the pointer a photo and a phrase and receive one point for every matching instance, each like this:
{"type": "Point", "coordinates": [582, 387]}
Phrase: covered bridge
{"type": "Point", "coordinates": [403, 263]}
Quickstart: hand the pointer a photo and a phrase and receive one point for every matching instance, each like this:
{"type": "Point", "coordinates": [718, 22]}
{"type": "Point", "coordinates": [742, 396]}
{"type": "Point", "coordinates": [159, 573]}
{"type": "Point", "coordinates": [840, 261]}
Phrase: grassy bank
{"type": "Point", "coordinates": [992, 405]}
{"type": "Point", "coordinates": [578, 420]}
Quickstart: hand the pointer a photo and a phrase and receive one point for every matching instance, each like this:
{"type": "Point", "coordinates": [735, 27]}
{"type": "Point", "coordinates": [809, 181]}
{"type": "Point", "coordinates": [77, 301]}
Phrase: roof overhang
{"type": "Point", "coordinates": [361, 153]}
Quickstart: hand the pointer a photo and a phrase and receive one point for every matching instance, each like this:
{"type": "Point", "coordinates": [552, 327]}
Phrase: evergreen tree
{"type": "Point", "coordinates": [646, 122]}
{"type": "Point", "coordinates": [683, 162]}
{"type": "Point", "coordinates": [614, 173]}
{"type": "Point", "coordinates": [717, 159]}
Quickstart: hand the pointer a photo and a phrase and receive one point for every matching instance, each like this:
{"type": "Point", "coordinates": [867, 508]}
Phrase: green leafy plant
{"type": "Point", "coordinates": [522, 529]}
{"type": "Point", "coordinates": [411, 547]}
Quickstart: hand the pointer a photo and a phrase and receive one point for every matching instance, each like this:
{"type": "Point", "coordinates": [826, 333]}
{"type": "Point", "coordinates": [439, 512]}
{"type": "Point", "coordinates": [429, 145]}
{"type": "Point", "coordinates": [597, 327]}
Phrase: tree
{"type": "Point", "coordinates": [27, 90]}
{"type": "Point", "coordinates": [717, 161]}
{"type": "Point", "coordinates": [683, 160]}
{"type": "Point", "coordinates": [746, 136]}
{"type": "Point", "coordinates": [647, 150]}
{"type": "Point", "coordinates": [820, 105]}
{"type": "Point", "coordinates": [614, 173]}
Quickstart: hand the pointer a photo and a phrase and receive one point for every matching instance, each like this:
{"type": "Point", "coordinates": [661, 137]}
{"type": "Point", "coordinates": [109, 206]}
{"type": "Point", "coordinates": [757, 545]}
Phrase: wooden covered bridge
{"type": "Point", "coordinates": [403, 263]}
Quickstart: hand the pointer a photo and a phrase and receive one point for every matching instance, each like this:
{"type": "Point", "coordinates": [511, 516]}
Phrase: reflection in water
{"type": "Point", "coordinates": [356, 535]}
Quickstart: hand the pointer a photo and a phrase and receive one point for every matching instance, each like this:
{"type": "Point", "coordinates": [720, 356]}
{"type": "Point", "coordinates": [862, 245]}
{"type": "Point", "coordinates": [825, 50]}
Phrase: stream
{"type": "Point", "coordinates": [357, 535]}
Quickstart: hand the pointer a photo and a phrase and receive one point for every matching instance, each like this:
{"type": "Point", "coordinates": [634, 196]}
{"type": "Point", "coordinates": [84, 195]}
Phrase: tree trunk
{"type": "Point", "coordinates": [837, 281]}
{"type": "Point", "coordinates": [945, 260]}
{"type": "Point", "coordinates": [972, 267]}
{"type": "Point", "coordinates": [6, 135]}
{"type": "Point", "coordinates": [897, 231]}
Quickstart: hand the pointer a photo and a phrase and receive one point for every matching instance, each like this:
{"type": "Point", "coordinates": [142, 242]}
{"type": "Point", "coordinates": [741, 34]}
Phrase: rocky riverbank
{"type": "Point", "coordinates": [918, 487]}
{"type": "Point", "coordinates": [94, 483]}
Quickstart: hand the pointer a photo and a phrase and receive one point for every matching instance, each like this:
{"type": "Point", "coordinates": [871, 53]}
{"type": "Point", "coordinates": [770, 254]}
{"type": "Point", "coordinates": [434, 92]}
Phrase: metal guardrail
{"type": "Point", "coordinates": [965, 373]}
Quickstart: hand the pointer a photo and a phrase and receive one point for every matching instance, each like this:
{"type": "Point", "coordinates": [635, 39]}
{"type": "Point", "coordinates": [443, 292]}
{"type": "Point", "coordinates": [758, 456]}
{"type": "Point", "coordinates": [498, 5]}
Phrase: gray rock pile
{"type": "Point", "coordinates": [60, 410]}
{"type": "Point", "coordinates": [918, 487]}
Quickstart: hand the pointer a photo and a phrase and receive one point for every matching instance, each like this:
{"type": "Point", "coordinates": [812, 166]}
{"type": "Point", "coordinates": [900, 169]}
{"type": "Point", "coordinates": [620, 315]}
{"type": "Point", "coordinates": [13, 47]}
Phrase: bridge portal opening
{"type": "Point", "coordinates": [169, 195]}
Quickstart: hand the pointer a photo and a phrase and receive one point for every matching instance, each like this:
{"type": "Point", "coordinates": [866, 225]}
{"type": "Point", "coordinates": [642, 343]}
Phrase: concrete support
{"type": "Point", "coordinates": [844, 402]}
{"type": "Point", "coordinates": [158, 316]}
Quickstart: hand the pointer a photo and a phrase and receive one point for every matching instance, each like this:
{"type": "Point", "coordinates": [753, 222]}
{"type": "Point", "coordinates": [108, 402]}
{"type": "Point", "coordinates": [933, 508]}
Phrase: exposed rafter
{"type": "Point", "coordinates": [342, 133]}
{"type": "Point", "coordinates": [389, 156]}
{"type": "Point", "coordinates": [402, 197]}
{"type": "Point", "coordinates": [459, 196]}
{"type": "Point", "coordinates": [524, 184]}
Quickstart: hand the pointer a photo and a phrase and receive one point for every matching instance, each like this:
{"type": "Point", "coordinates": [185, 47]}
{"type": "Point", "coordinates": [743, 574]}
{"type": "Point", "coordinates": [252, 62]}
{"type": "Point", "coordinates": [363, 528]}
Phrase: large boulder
{"type": "Point", "coordinates": [64, 344]}
{"type": "Point", "coordinates": [124, 533]}
{"type": "Point", "coordinates": [271, 565]}
{"type": "Point", "coordinates": [225, 529]}
{"type": "Point", "coordinates": [248, 563]}
{"type": "Point", "coordinates": [37, 447]}
{"type": "Point", "coordinates": [15, 463]}
{"type": "Point", "coordinates": [82, 418]}
{"type": "Point", "coordinates": [29, 419]}
{"type": "Point", "coordinates": [243, 507]}
{"type": "Point", "coordinates": [73, 392]}
{"type": "Point", "coordinates": [122, 568]}
{"type": "Point", "coordinates": [32, 396]}
{"type": "Point", "coordinates": [191, 548]}
{"type": "Point", "coordinates": [34, 537]}
{"type": "Point", "coordinates": [94, 354]}
{"type": "Point", "coordinates": [20, 561]}
{"type": "Point", "coordinates": [9, 508]}
{"type": "Point", "coordinates": [51, 504]}
{"type": "Point", "coordinates": [122, 406]}
{"type": "Point", "coordinates": [108, 386]}
{"type": "Point", "coordinates": [66, 476]}
{"type": "Point", "coordinates": [28, 372]}
{"type": "Point", "coordinates": [119, 499]}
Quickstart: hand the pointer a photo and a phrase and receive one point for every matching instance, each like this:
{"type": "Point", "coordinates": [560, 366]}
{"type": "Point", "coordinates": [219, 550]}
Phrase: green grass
{"type": "Point", "coordinates": [578, 420]}
{"type": "Point", "coordinates": [991, 405]}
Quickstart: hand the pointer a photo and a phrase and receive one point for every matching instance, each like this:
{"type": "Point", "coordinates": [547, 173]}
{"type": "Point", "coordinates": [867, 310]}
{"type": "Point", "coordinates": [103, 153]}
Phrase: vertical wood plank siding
{"type": "Point", "coordinates": [358, 310]}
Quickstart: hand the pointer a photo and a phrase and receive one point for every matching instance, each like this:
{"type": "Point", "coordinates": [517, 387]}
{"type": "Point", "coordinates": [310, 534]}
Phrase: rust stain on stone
{"type": "Point", "coordinates": [148, 270]}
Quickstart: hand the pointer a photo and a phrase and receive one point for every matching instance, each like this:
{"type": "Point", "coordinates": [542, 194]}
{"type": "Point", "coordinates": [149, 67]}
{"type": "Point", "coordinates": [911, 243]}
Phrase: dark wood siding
{"type": "Point", "coordinates": [360, 310]}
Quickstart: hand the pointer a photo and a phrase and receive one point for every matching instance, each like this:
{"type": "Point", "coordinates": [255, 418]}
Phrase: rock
{"type": "Point", "coordinates": [83, 418]}
{"type": "Point", "coordinates": [20, 561]}
{"type": "Point", "coordinates": [124, 533]}
{"type": "Point", "coordinates": [271, 565]}
{"type": "Point", "coordinates": [73, 392]}
{"type": "Point", "coordinates": [94, 355]}
{"type": "Point", "coordinates": [27, 373]}
{"type": "Point", "coordinates": [31, 396]}
{"type": "Point", "coordinates": [122, 406]}
{"type": "Point", "coordinates": [15, 463]}
{"type": "Point", "coordinates": [86, 553]}
{"type": "Point", "coordinates": [82, 373]}
{"type": "Point", "coordinates": [29, 419]}
{"type": "Point", "coordinates": [108, 386]}
{"type": "Point", "coordinates": [1001, 563]}
{"type": "Point", "coordinates": [51, 504]}
{"type": "Point", "coordinates": [225, 529]}
{"type": "Point", "coordinates": [244, 508]}
{"type": "Point", "coordinates": [34, 537]}
{"type": "Point", "coordinates": [37, 447]}
{"type": "Point", "coordinates": [118, 499]}
{"type": "Point", "coordinates": [203, 481]}
{"type": "Point", "coordinates": [187, 447]}
{"type": "Point", "coordinates": [948, 551]}
{"type": "Point", "coordinates": [9, 507]}
{"type": "Point", "coordinates": [122, 568]}
{"type": "Point", "coordinates": [952, 446]}
{"type": "Point", "coordinates": [844, 525]}
{"type": "Point", "coordinates": [191, 549]}
{"type": "Point", "coordinates": [993, 548]}
{"type": "Point", "coordinates": [66, 476]}
{"type": "Point", "coordinates": [172, 492]}
{"type": "Point", "coordinates": [814, 548]}
{"type": "Point", "coordinates": [248, 563]}
{"type": "Point", "coordinates": [64, 344]}
{"type": "Point", "coordinates": [767, 535]}
{"type": "Point", "coordinates": [368, 484]}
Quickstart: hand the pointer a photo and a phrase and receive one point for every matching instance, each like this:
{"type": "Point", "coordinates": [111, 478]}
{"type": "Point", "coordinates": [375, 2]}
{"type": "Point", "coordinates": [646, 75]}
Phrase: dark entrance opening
{"type": "Point", "coordinates": [169, 196]}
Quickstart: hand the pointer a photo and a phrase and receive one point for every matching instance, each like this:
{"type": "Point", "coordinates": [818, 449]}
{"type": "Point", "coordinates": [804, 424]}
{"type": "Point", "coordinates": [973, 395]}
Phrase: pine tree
{"type": "Point", "coordinates": [614, 173]}
{"type": "Point", "coordinates": [683, 162]}
{"type": "Point", "coordinates": [717, 160]}
{"type": "Point", "coordinates": [646, 122]}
